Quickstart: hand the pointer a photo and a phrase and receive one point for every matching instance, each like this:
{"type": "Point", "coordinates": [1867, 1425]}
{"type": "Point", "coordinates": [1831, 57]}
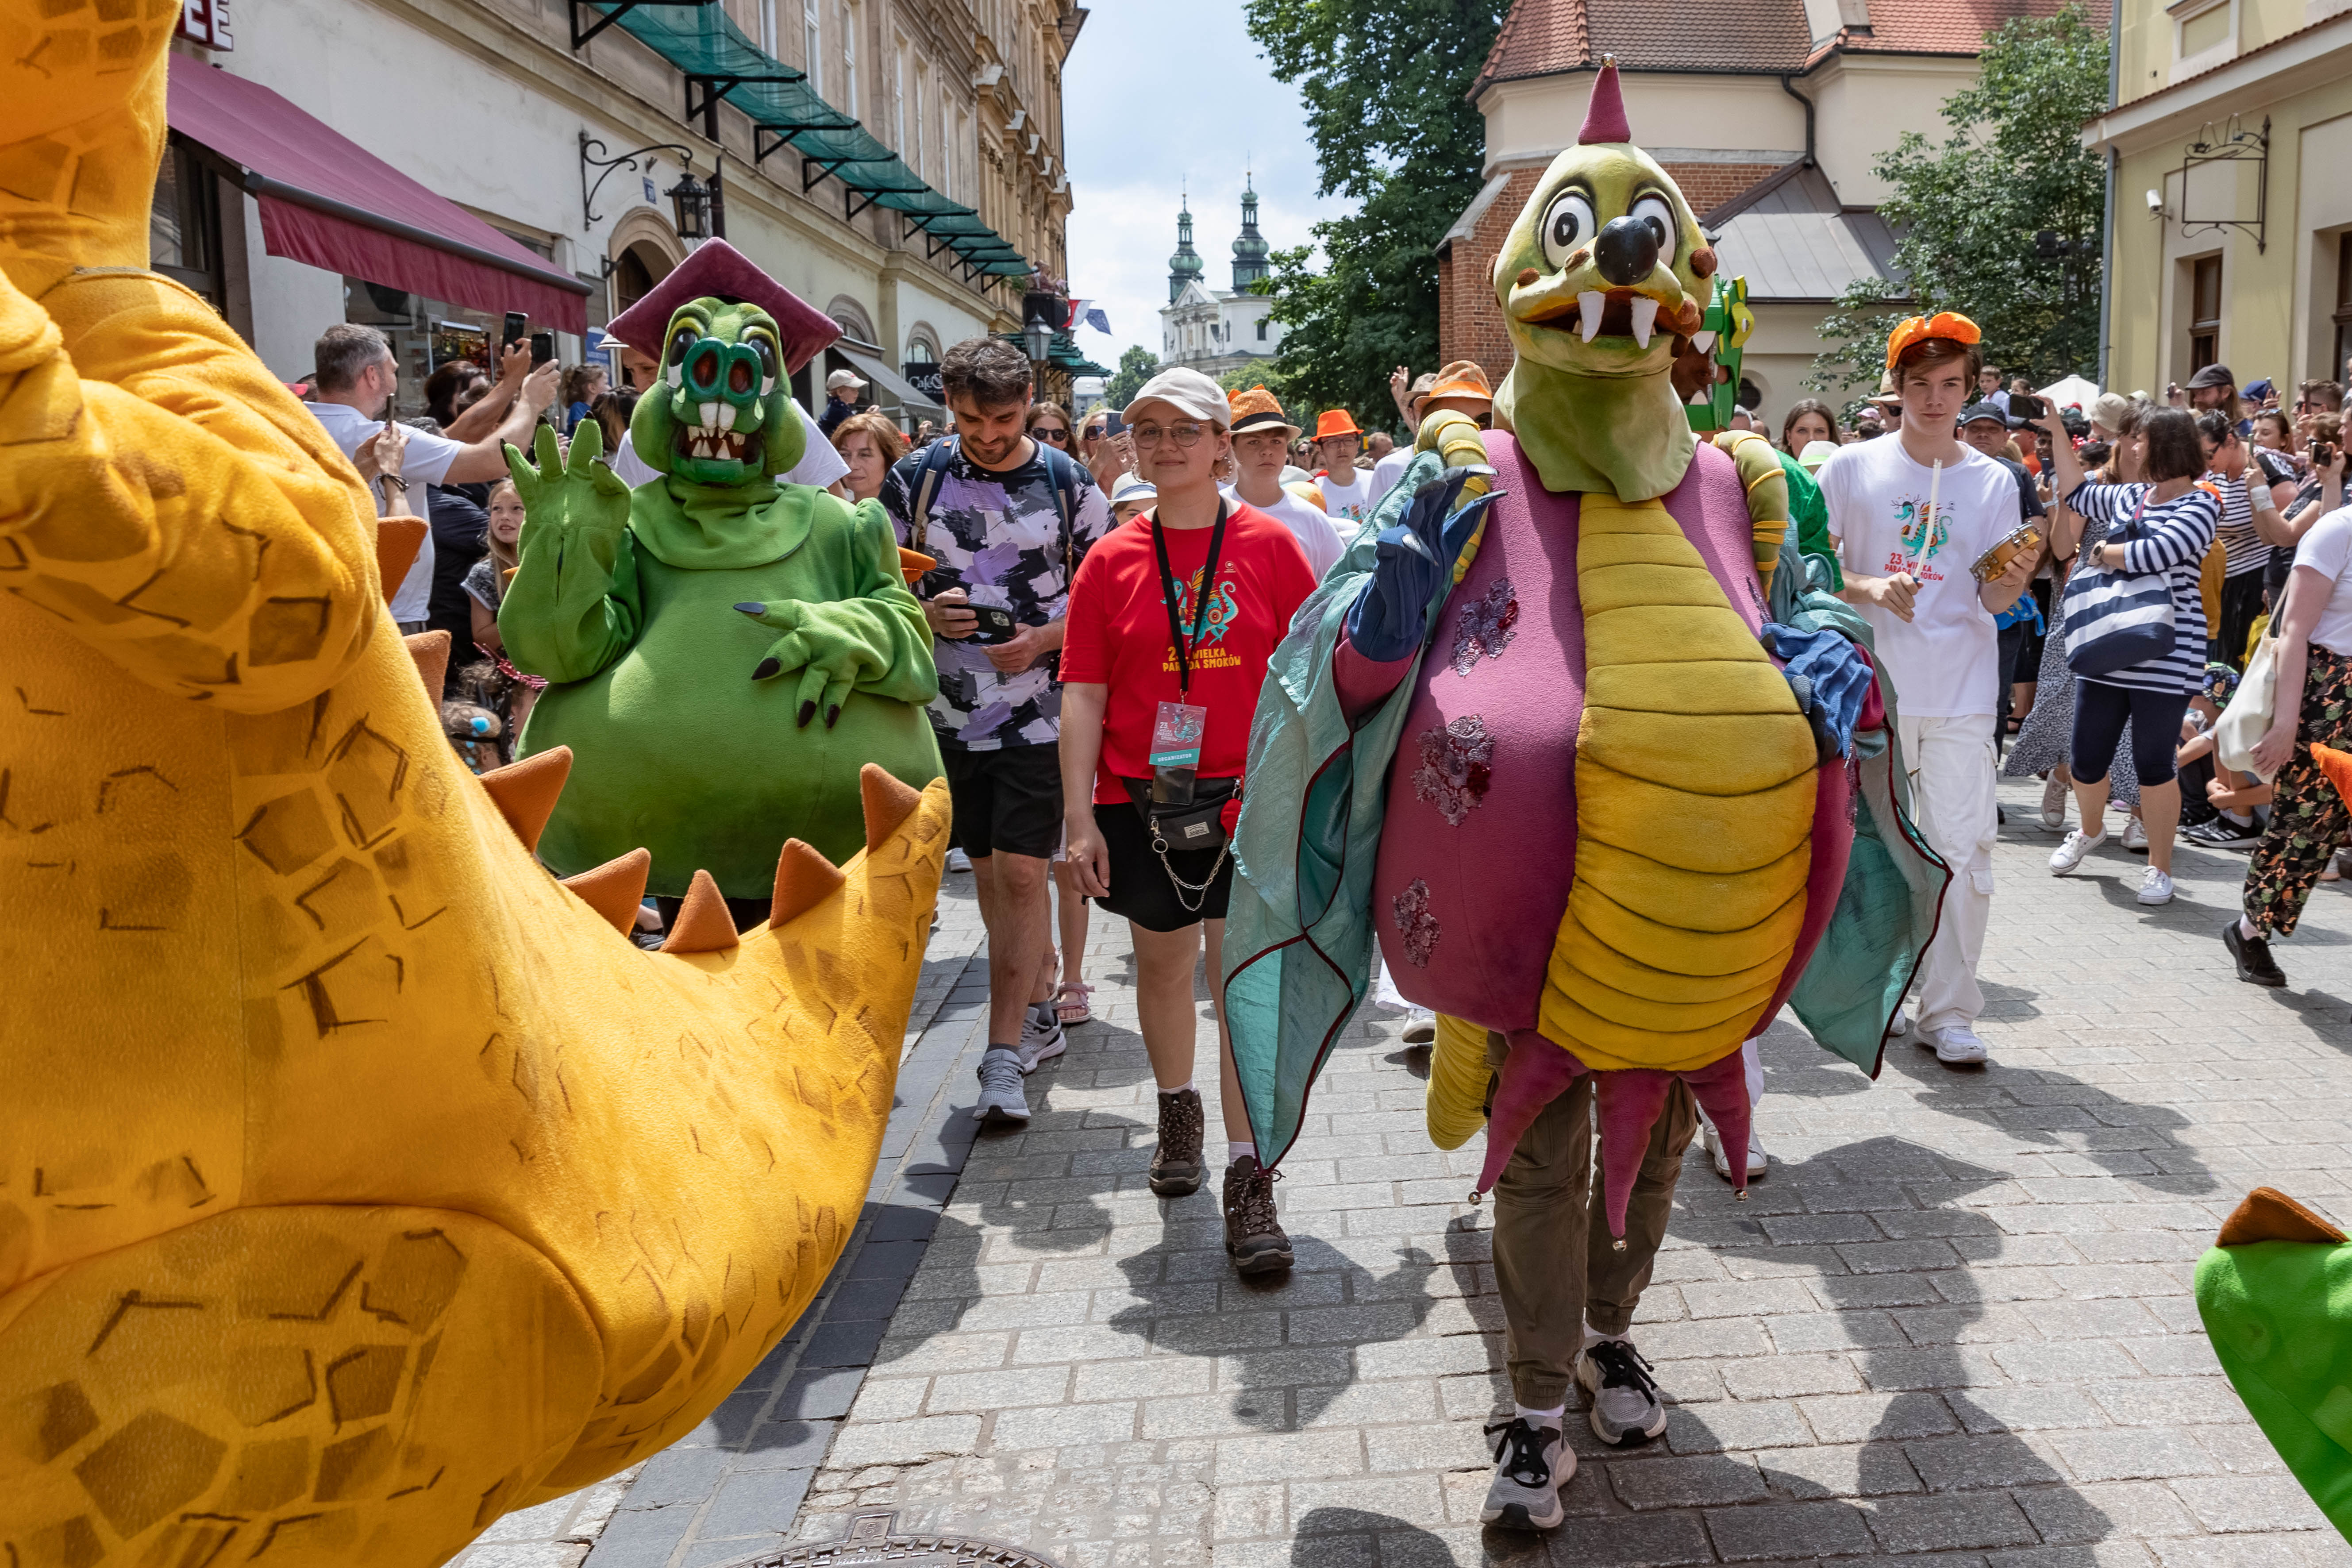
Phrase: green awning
{"type": "Point", "coordinates": [706, 46]}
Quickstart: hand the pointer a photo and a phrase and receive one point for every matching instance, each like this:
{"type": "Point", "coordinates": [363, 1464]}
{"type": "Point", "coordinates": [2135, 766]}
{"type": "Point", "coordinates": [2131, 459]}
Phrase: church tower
{"type": "Point", "coordinates": [1185, 265]}
{"type": "Point", "coordinates": [1250, 251]}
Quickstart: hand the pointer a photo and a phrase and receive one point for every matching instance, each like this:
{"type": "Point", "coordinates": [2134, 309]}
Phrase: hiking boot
{"type": "Point", "coordinates": [1253, 1237]}
{"type": "Point", "coordinates": [1532, 1463]}
{"type": "Point", "coordinates": [1001, 1099]}
{"type": "Point", "coordinates": [2252, 956]}
{"type": "Point", "coordinates": [1615, 1376]}
{"type": "Point", "coordinates": [1176, 1168]}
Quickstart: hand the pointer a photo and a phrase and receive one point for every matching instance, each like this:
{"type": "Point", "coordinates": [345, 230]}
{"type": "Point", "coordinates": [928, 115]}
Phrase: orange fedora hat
{"type": "Point", "coordinates": [1334, 422]}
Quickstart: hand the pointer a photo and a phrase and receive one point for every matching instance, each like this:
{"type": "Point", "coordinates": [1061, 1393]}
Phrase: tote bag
{"type": "Point", "coordinates": [2114, 620]}
{"type": "Point", "coordinates": [2247, 719]}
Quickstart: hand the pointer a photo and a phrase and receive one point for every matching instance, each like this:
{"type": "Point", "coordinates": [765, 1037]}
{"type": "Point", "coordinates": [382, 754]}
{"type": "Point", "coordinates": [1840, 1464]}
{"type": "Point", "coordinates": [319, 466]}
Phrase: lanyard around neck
{"type": "Point", "coordinates": [1168, 594]}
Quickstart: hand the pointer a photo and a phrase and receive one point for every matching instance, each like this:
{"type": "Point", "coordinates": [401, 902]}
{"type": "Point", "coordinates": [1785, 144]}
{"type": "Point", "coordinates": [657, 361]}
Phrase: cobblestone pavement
{"type": "Point", "coordinates": [1955, 1322]}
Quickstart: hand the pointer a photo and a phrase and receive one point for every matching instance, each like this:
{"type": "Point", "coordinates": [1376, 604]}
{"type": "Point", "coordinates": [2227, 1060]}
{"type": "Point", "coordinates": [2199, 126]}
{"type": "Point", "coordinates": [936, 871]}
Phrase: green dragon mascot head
{"type": "Point", "coordinates": [721, 413]}
{"type": "Point", "coordinates": [1603, 282]}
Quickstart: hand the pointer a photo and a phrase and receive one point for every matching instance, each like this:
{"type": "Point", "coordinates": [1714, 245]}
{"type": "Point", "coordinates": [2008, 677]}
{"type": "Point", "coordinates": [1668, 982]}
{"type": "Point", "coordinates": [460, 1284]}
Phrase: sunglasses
{"type": "Point", "coordinates": [1049, 432]}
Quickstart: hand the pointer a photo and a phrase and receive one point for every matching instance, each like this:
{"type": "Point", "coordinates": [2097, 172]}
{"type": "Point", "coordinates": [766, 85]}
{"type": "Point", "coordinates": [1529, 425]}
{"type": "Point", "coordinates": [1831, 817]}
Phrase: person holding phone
{"type": "Point", "coordinates": [1008, 519]}
{"type": "Point", "coordinates": [1173, 622]}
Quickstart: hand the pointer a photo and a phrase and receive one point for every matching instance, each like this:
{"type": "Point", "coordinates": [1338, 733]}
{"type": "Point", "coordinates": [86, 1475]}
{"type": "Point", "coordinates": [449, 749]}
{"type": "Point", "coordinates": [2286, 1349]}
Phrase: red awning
{"type": "Point", "coordinates": [327, 201]}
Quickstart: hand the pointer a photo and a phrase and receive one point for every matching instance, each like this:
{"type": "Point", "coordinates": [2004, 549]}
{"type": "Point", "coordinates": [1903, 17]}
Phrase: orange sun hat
{"type": "Point", "coordinates": [1258, 409]}
{"type": "Point", "coordinates": [1334, 422]}
{"type": "Point", "coordinates": [1949, 324]}
{"type": "Point", "coordinates": [1463, 378]}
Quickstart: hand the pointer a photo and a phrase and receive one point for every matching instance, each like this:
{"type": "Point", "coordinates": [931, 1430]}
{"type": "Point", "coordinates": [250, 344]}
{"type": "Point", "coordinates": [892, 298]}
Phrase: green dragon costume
{"type": "Point", "coordinates": [724, 651]}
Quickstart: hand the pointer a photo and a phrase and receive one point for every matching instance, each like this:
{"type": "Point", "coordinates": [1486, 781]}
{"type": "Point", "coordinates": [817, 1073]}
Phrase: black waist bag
{"type": "Point", "coordinates": [1180, 828]}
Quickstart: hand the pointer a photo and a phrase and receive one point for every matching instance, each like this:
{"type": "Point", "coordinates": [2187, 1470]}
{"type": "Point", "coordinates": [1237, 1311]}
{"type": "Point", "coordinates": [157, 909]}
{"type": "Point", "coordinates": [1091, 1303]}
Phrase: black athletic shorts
{"type": "Point", "coordinates": [1009, 799]}
{"type": "Point", "coordinates": [1139, 885]}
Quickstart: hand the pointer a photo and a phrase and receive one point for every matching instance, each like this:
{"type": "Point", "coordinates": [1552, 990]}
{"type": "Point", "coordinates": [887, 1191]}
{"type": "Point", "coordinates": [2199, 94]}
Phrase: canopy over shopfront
{"type": "Point", "coordinates": [329, 203]}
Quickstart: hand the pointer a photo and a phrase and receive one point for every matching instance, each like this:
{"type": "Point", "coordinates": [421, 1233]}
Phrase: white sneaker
{"type": "Point", "coordinates": [1625, 1408]}
{"type": "Point", "coordinates": [2155, 887]}
{"type": "Point", "coordinates": [1901, 1027]}
{"type": "Point", "coordinates": [2135, 832]}
{"type": "Point", "coordinates": [1758, 1163]}
{"type": "Point", "coordinates": [958, 861]}
{"type": "Point", "coordinates": [1041, 1038]}
{"type": "Point", "coordinates": [2053, 805]}
{"type": "Point", "coordinates": [1956, 1044]}
{"type": "Point", "coordinates": [2069, 855]}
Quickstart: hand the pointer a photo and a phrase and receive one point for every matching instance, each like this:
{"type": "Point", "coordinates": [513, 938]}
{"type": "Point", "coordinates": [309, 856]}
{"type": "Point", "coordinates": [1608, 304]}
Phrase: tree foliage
{"type": "Point", "coordinates": [1384, 85]}
{"type": "Point", "coordinates": [1136, 366]}
{"type": "Point", "coordinates": [1967, 214]}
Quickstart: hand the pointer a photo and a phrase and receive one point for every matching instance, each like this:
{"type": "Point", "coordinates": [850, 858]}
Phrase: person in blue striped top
{"type": "Point", "coordinates": [2165, 525]}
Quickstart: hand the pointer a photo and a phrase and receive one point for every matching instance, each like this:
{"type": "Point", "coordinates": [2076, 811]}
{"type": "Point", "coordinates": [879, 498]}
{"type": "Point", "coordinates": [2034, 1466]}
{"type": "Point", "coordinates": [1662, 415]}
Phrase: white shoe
{"type": "Point", "coordinates": [1001, 1099]}
{"type": "Point", "coordinates": [2155, 887]}
{"type": "Point", "coordinates": [2135, 832]}
{"type": "Point", "coordinates": [958, 861]}
{"type": "Point", "coordinates": [1532, 1463]}
{"type": "Point", "coordinates": [1954, 1043]}
{"type": "Point", "coordinates": [2069, 855]}
{"type": "Point", "coordinates": [2053, 805]}
{"type": "Point", "coordinates": [1901, 1027]}
{"type": "Point", "coordinates": [1625, 1408]}
{"type": "Point", "coordinates": [1759, 1163]}
{"type": "Point", "coordinates": [1041, 1038]}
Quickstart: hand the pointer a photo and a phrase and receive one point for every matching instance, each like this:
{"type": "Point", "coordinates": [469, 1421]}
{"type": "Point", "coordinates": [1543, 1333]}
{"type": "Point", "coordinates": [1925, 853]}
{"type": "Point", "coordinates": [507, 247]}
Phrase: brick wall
{"type": "Point", "coordinates": [1469, 323]}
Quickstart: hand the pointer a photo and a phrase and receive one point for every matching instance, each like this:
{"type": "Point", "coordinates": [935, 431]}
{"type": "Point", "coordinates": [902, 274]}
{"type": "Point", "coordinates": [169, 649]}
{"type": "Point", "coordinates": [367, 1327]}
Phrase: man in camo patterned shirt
{"type": "Point", "coordinates": [1007, 520]}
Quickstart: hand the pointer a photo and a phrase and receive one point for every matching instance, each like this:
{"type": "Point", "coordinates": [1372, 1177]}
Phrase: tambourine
{"type": "Point", "coordinates": [2023, 540]}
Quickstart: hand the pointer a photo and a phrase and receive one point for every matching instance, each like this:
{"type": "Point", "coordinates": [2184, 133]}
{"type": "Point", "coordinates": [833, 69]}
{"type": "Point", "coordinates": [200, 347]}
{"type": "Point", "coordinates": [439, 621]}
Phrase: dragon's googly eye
{"type": "Point", "coordinates": [681, 341]}
{"type": "Point", "coordinates": [1659, 213]}
{"type": "Point", "coordinates": [1567, 225]}
{"type": "Point", "coordinates": [766, 352]}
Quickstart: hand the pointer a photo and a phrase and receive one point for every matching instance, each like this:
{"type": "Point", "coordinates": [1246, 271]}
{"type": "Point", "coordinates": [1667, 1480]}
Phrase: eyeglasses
{"type": "Point", "coordinates": [1048, 433]}
{"type": "Point", "coordinates": [1184, 433]}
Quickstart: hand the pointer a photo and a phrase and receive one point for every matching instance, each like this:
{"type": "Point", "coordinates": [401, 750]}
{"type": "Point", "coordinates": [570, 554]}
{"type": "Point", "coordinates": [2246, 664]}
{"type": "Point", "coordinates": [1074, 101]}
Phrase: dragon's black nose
{"type": "Point", "coordinates": [1626, 251]}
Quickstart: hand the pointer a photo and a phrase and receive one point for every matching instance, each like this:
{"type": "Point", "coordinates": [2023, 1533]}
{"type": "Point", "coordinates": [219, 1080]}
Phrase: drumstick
{"type": "Point", "coordinates": [1927, 520]}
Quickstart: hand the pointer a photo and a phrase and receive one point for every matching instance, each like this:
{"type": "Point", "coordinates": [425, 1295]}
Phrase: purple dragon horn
{"type": "Point", "coordinates": [1721, 1089]}
{"type": "Point", "coordinates": [1627, 1101]}
{"type": "Point", "coordinates": [1534, 1075]}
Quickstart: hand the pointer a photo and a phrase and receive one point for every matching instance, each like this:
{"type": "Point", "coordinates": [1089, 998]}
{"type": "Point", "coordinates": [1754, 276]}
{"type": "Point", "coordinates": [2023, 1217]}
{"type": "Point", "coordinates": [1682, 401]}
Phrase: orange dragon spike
{"type": "Point", "coordinates": [703, 924]}
{"type": "Point", "coordinates": [526, 791]}
{"type": "Point", "coordinates": [804, 879]}
{"type": "Point", "coordinates": [889, 802]}
{"type": "Point", "coordinates": [616, 888]}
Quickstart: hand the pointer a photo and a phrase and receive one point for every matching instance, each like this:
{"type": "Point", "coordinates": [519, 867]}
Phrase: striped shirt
{"type": "Point", "coordinates": [2173, 537]}
{"type": "Point", "coordinates": [2245, 550]}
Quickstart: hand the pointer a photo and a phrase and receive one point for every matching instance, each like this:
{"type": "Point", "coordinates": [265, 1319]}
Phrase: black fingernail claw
{"type": "Point", "coordinates": [768, 666]}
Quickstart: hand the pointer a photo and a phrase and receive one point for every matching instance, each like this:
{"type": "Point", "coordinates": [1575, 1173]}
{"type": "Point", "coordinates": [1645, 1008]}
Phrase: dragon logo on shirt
{"type": "Point", "coordinates": [1911, 515]}
{"type": "Point", "coordinates": [1223, 610]}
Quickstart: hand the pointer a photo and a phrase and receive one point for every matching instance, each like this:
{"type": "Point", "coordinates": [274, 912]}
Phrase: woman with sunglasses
{"type": "Point", "coordinates": [1172, 620]}
{"type": "Point", "coordinates": [1049, 423]}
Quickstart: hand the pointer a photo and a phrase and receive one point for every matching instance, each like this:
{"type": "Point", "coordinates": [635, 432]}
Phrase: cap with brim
{"type": "Point", "coordinates": [1979, 411]}
{"type": "Point", "coordinates": [841, 378]}
{"type": "Point", "coordinates": [1188, 391]}
{"type": "Point", "coordinates": [2212, 375]}
{"type": "Point", "coordinates": [1815, 454]}
{"type": "Point", "coordinates": [1128, 487]}
{"type": "Point", "coordinates": [717, 270]}
{"type": "Point", "coordinates": [1257, 409]}
{"type": "Point", "coordinates": [1421, 384]}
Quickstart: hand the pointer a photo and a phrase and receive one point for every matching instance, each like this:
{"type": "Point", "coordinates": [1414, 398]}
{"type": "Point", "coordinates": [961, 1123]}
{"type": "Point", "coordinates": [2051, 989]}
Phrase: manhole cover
{"type": "Point", "coordinates": [871, 1540]}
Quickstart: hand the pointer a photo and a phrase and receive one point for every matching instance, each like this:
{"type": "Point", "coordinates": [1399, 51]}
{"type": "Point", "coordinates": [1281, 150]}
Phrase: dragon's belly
{"type": "Point", "coordinates": [1504, 841]}
{"type": "Point", "coordinates": [677, 749]}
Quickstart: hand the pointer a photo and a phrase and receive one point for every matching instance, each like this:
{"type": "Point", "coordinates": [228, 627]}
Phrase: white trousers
{"type": "Point", "coordinates": [1951, 766]}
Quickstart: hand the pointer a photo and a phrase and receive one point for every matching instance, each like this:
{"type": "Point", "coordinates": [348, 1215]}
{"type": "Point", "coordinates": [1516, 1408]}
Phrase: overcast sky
{"type": "Point", "coordinates": [1156, 94]}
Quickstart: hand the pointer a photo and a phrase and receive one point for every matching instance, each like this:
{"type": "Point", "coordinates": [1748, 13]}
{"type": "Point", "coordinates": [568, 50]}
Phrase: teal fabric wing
{"type": "Point", "coordinates": [1894, 888]}
{"type": "Point", "coordinates": [1298, 932]}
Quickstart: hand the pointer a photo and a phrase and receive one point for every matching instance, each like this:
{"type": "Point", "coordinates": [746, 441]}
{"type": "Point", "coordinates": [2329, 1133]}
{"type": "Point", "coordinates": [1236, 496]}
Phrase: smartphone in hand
{"type": "Point", "coordinates": [542, 348]}
{"type": "Point", "coordinates": [2025, 406]}
{"type": "Point", "coordinates": [996, 626]}
{"type": "Point", "coordinates": [517, 325]}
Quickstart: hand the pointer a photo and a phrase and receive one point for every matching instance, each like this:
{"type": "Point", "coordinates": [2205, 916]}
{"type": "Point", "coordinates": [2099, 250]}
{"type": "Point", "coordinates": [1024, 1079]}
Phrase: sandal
{"type": "Point", "coordinates": [1070, 1002]}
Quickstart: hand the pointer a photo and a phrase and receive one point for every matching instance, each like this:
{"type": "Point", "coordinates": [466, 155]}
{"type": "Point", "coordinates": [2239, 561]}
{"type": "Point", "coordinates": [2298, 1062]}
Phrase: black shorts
{"type": "Point", "coordinates": [1139, 885]}
{"type": "Point", "coordinates": [1009, 799]}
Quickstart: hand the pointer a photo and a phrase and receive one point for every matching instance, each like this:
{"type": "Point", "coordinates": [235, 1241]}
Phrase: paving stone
{"type": "Point", "coordinates": [1788, 1531]}
{"type": "Point", "coordinates": [1907, 1525]}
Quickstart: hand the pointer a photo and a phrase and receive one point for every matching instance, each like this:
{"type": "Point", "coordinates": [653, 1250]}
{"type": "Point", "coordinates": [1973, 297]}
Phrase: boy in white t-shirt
{"type": "Point", "coordinates": [1906, 570]}
{"type": "Point", "coordinates": [1347, 490]}
{"type": "Point", "coordinates": [1261, 437]}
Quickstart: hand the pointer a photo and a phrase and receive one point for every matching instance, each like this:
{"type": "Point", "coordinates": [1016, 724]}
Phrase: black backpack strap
{"type": "Point", "coordinates": [1063, 469]}
{"type": "Point", "coordinates": [936, 458]}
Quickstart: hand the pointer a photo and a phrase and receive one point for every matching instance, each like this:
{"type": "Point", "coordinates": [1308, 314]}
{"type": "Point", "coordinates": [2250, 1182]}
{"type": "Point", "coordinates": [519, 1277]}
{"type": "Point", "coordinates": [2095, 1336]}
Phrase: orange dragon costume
{"type": "Point", "coordinates": [358, 1180]}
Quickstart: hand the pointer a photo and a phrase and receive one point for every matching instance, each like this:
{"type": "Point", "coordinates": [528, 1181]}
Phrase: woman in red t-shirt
{"type": "Point", "coordinates": [1172, 620]}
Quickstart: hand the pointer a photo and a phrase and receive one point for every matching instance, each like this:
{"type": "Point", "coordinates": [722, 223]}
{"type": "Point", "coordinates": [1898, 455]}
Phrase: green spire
{"type": "Point", "coordinates": [1185, 265]}
{"type": "Point", "coordinates": [1251, 250]}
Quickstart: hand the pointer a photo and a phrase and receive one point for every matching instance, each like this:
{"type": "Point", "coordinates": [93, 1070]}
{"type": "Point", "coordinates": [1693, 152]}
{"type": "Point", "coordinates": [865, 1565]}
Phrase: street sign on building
{"type": "Point", "coordinates": [205, 22]}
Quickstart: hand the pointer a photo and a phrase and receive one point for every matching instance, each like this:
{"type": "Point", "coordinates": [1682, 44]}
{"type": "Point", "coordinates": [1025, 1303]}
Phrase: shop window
{"type": "Point", "coordinates": [2336, 370]}
{"type": "Point", "coordinates": [426, 334]}
{"type": "Point", "coordinates": [184, 225]}
{"type": "Point", "coordinates": [2204, 313]}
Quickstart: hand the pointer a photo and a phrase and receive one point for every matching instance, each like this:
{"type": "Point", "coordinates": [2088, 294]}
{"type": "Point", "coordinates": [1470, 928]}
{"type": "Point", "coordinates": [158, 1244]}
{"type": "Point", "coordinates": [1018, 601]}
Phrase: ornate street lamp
{"type": "Point", "coordinates": [1039, 338]}
{"type": "Point", "coordinates": [690, 201]}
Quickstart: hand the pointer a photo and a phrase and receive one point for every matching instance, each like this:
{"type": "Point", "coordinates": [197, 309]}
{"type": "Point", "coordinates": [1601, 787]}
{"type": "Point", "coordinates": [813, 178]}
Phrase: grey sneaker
{"type": "Point", "coordinates": [1176, 1168]}
{"type": "Point", "coordinates": [1255, 1238]}
{"type": "Point", "coordinates": [1041, 1038]}
{"type": "Point", "coordinates": [1616, 1380]}
{"type": "Point", "coordinates": [1001, 1098]}
{"type": "Point", "coordinates": [1532, 1463]}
